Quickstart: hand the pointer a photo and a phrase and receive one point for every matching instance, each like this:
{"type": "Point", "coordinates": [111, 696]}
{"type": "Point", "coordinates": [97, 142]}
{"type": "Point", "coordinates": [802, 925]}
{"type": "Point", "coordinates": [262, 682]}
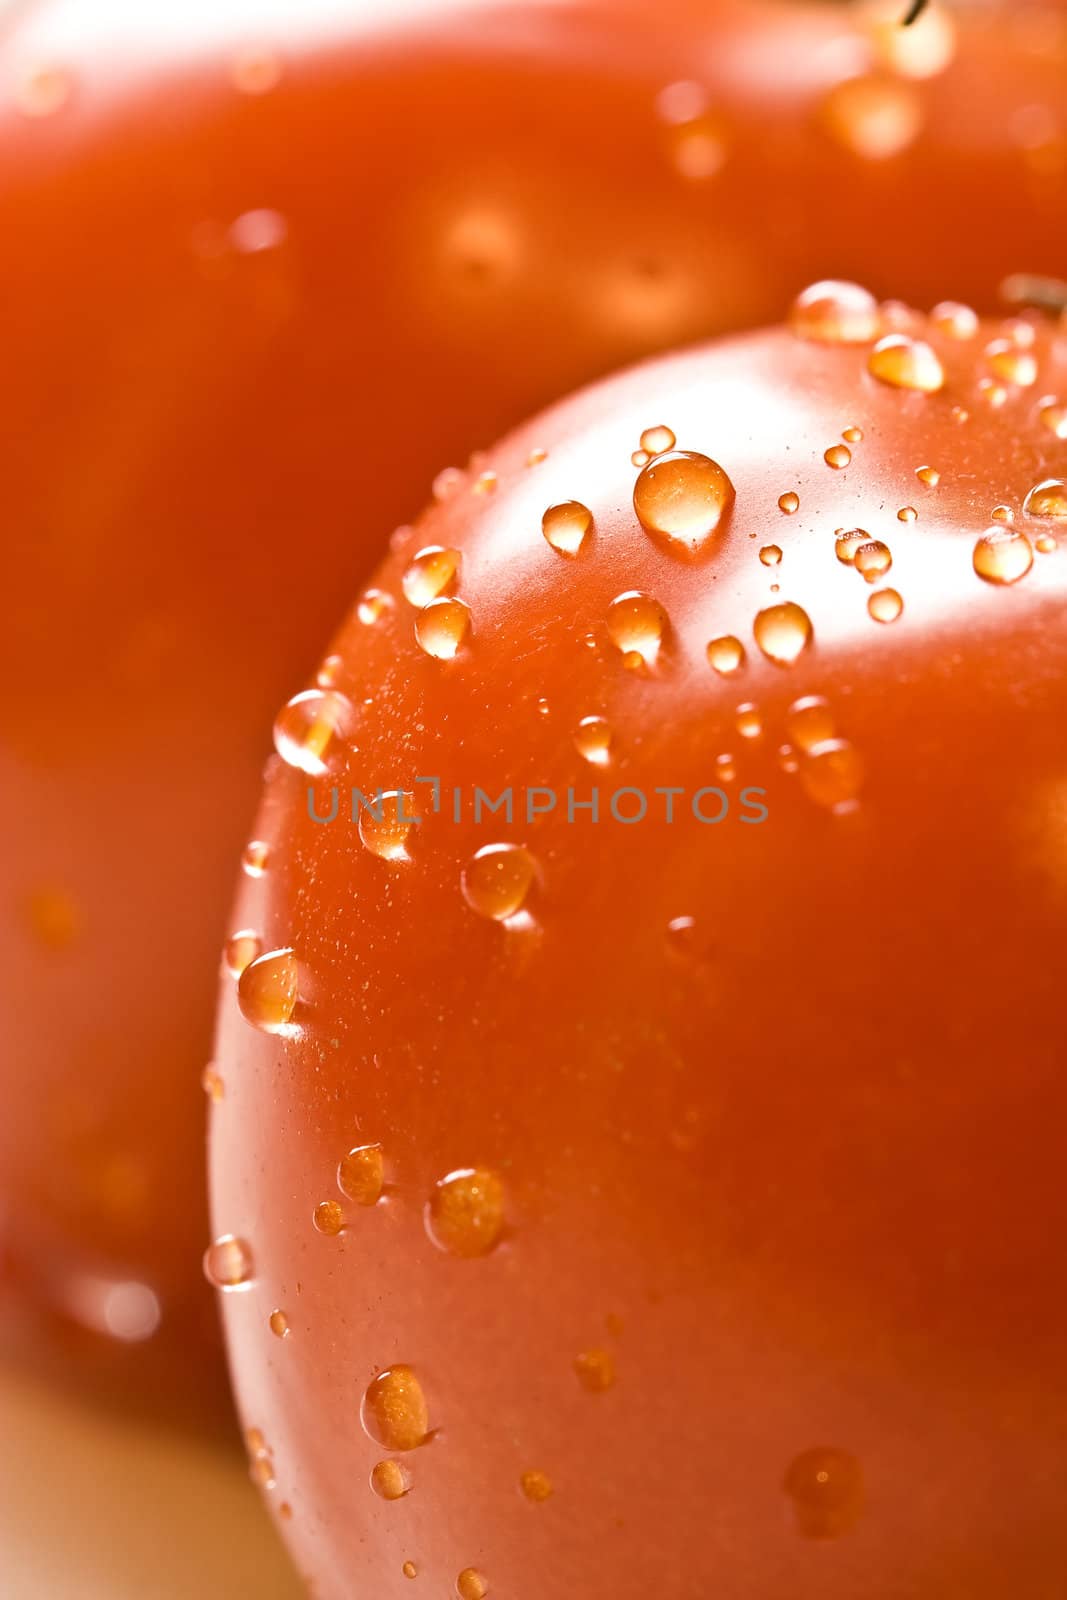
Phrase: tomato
{"type": "Point", "coordinates": [662, 1201]}
{"type": "Point", "coordinates": [269, 272]}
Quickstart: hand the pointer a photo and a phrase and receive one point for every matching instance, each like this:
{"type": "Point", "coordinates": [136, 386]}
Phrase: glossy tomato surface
{"type": "Point", "coordinates": [270, 269]}
{"type": "Point", "coordinates": [663, 1202]}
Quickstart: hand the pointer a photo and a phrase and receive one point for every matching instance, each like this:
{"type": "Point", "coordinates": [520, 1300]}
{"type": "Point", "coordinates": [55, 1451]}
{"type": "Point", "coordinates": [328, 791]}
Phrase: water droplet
{"type": "Point", "coordinates": [212, 1084]}
{"type": "Point", "coordinates": [429, 574]}
{"type": "Point", "coordinates": [921, 50]}
{"type": "Point", "coordinates": [536, 456]}
{"type": "Point", "coordinates": [255, 857]}
{"type": "Point", "coordinates": [826, 1488]}
{"type": "Point", "coordinates": [256, 1442]}
{"type": "Point", "coordinates": [485, 483]}
{"type": "Point", "coordinates": [1003, 555]}
{"type": "Point", "coordinates": [470, 1585]}
{"type": "Point", "coordinates": [497, 880]}
{"type": "Point", "coordinates": [567, 526]}
{"type": "Point", "coordinates": [873, 560]}
{"type": "Point", "coordinates": [787, 758]}
{"type": "Point", "coordinates": [448, 482]}
{"type": "Point", "coordinates": [770, 555]}
{"type": "Point", "coordinates": [312, 731]}
{"type": "Point", "coordinates": [682, 496]}
{"type": "Point", "coordinates": [1047, 499]}
{"type": "Point", "coordinates": [409, 1569]}
{"type": "Point", "coordinates": [361, 1174]}
{"type": "Point", "coordinates": [228, 1263]}
{"type": "Point", "coordinates": [254, 232]}
{"type": "Point", "coordinates": [394, 1411]}
{"type": "Point", "coordinates": [42, 91]}
{"type": "Point", "coordinates": [328, 1218]}
{"type": "Point", "coordinates": [748, 721]}
{"type": "Point", "coordinates": [391, 1480]}
{"type": "Point", "coordinates": [726, 654]}
{"type": "Point", "coordinates": [330, 672]}
{"type": "Point", "coordinates": [593, 740]}
{"type": "Point", "coordinates": [640, 458]}
{"type": "Point", "coordinates": [993, 393]}
{"type": "Point", "coordinates": [637, 624]}
{"type": "Point", "coordinates": [536, 1486]}
{"type": "Point", "coordinates": [831, 312]}
{"type": "Point", "coordinates": [267, 990]}
{"type": "Point", "coordinates": [658, 440]}
{"type": "Point", "coordinates": [279, 1324]}
{"type": "Point", "coordinates": [885, 605]}
{"type": "Point", "coordinates": [385, 823]}
{"type": "Point", "coordinates": [241, 950]}
{"type": "Point", "coordinates": [953, 320]}
{"type": "Point", "coordinates": [847, 543]}
{"type": "Point", "coordinates": [595, 1369]}
{"type": "Point", "coordinates": [725, 767]}
{"type": "Point", "coordinates": [810, 722]}
{"type": "Point", "coordinates": [907, 514]}
{"type": "Point", "coordinates": [838, 456]}
{"type": "Point", "coordinates": [1011, 364]}
{"type": "Point", "coordinates": [852, 435]}
{"type": "Point", "coordinates": [442, 627]}
{"type": "Point", "coordinates": [906, 363]}
{"type": "Point", "coordinates": [928, 475]}
{"type": "Point", "coordinates": [1044, 544]}
{"type": "Point", "coordinates": [261, 1471]}
{"type": "Point", "coordinates": [875, 117]}
{"type": "Point", "coordinates": [465, 1213]}
{"type": "Point", "coordinates": [1002, 514]}
{"type": "Point", "coordinates": [1054, 417]}
{"type": "Point", "coordinates": [832, 773]}
{"type": "Point", "coordinates": [782, 632]}
{"type": "Point", "coordinates": [789, 503]}
{"type": "Point", "coordinates": [372, 606]}
{"type": "Point", "coordinates": [699, 146]}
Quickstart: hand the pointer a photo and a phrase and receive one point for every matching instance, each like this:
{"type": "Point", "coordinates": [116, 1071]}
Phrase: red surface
{"type": "Point", "coordinates": [797, 1168]}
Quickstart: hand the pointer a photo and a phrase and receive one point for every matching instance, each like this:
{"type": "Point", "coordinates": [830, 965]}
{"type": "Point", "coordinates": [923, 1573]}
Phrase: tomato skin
{"type": "Point", "coordinates": [788, 1174]}
{"type": "Point", "coordinates": [211, 442]}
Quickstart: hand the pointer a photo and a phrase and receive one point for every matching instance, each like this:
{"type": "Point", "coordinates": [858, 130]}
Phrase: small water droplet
{"type": "Point", "coordinates": [637, 624]}
{"type": "Point", "coordinates": [536, 456]}
{"type": "Point", "coordinates": [448, 482]}
{"type": "Point", "coordinates": [953, 320]}
{"type": "Point", "coordinates": [848, 541]}
{"type": "Point", "coordinates": [809, 722]}
{"type": "Point", "coordinates": [212, 1084]}
{"type": "Point", "coordinates": [656, 441]}
{"type": "Point", "coordinates": [566, 526]}
{"type": "Point", "coordinates": [1044, 544]}
{"type": "Point", "coordinates": [441, 628]}
{"type": "Point", "coordinates": [928, 475]}
{"type": "Point", "coordinates": [465, 1213]}
{"type": "Point", "coordinates": [593, 740]}
{"type": "Point", "coordinates": [826, 1488]}
{"type": "Point", "coordinates": [255, 857]}
{"type": "Point", "coordinates": [748, 722]}
{"type": "Point", "coordinates": [372, 606]}
{"type": "Point", "coordinates": [267, 990]}
{"type": "Point", "coordinates": [682, 496]}
{"type": "Point", "coordinates": [787, 758]}
{"type": "Point", "coordinates": [994, 394]}
{"type": "Point", "coordinates": [261, 1471]}
{"type": "Point", "coordinates": [410, 1570]}
{"type": "Point", "coordinates": [1007, 361]}
{"type": "Point", "coordinates": [837, 456]}
{"type": "Point", "coordinates": [1002, 514]}
{"type": "Point", "coordinates": [832, 773]}
{"type": "Point", "coordinates": [1047, 499]}
{"type": "Point", "coordinates": [885, 605]}
{"type": "Point", "coordinates": [312, 731]}
{"type": "Point", "coordinates": [640, 458]}
{"type": "Point", "coordinates": [391, 1480]}
{"type": "Point", "coordinates": [485, 483]}
{"type": "Point", "coordinates": [725, 768]}
{"type": "Point", "coordinates": [330, 672]}
{"type": "Point", "coordinates": [873, 560]}
{"type": "Point", "coordinates": [906, 363]}
{"type": "Point", "coordinates": [876, 117]}
{"type": "Point", "coordinates": [1054, 417]}
{"type": "Point", "coordinates": [832, 312]}
{"type": "Point", "coordinates": [536, 1486]}
{"type": "Point", "coordinates": [789, 503]}
{"type": "Point", "coordinates": [770, 555]}
{"type": "Point", "coordinates": [256, 71]}
{"type": "Point", "coordinates": [429, 574]}
{"type": "Point", "coordinates": [279, 1324]}
{"type": "Point", "coordinates": [907, 514]}
{"type": "Point", "coordinates": [328, 1218]}
{"type": "Point", "coordinates": [497, 880]}
{"type": "Point", "coordinates": [595, 1369]}
{"type": "Point", "coordinates": [361, 1174]}
{"type": "Point", "coordinates": [470, 1585]}
{"type": "Point", "coordinates": [852, 435]}
{"type": "Point", "coordinates": [385, 824]}
{"type": "Point", "coordinates": [228, 1263]}
{"type": "Point", "coordinates": [394, 1411]}
{"type": "Point", "coordinates": [1003, 555]}
{"type": "Point", "coordinates": [782, 632]}
{"type": "Point", "coordinates": [241, 950]}
{"type": "Point", "coordinates": [726, 654]}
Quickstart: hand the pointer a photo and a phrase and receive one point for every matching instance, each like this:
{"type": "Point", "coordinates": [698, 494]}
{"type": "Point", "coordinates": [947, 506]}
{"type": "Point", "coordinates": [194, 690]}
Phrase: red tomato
{"type": "Point", "coordinates": [671, 1195]}
{"type": "Point", "coordinates": [267, 273]}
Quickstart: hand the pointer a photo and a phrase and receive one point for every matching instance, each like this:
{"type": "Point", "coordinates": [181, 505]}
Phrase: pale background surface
{"type": "Point", "coordinates": [99, 1507]}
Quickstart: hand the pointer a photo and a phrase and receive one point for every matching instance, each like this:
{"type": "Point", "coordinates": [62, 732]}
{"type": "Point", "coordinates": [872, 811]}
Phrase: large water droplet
{"type": "Point", "coordinates": [429, 574]}
{"type": "Point", "coordinates": [726, 654]}
{"type": "Point", "coordinates": [465, 1213]}
{"type": "Point", "coordinates": [394, 1410]}
{"type": "Point", "coordinates": [873, 560]}
{"type": "Point", "coordinates": [593, 740]}
{"type": "Point", "coordinates": [832, 312]}
{"type": "Point", "coordinates": [656, 441]}
{"type": "Point", "coordinates": [566, 526]}
{"type": "Point", "coordinates": [637, 625]}
{"type": "Point", "coordinates": [771, 555]}
{"type": "Point", "coordinates": [789, 503]}
{"type": "Point", "coordinates": [497, 880]}
{"type": "Point", "coordinates": [471, 1585]}
{"type": "Point", "coordinates": [385, 823]}
{"type": "Point", "coordinates": [848, 542]}
{"type": "Point", "coordinates": [906, 363]}
{"type": "Point", "coordinates": [442, 627]}
{"type": "Point", "coordinates": [312, 731]}
{"type": "Point", "coordinates": [391, 1480]}
{"type": "Point", "coordinates": [682, 496]}
{"type": "Point", "coordinates": [1003, 555]}
{"type": "Point", "coordinates": [267, 990]}
{"type": "Point", "coordinates": [361, 1174]}
{"type": "Point", "coordinates": [328, 1218]}
{"type": "Point", "coordinates": [1047, 499]}
{"type": "Point", "coordinates": [885, 605]}
{"type": "Point", "coordinates": [837, 456]}
{"type": "Point", "coordinates": [809, 722]}
{"type": "Point", "coordinates": [782, 632]}
{"type": "Point", "coordinates": [228, 1263]}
